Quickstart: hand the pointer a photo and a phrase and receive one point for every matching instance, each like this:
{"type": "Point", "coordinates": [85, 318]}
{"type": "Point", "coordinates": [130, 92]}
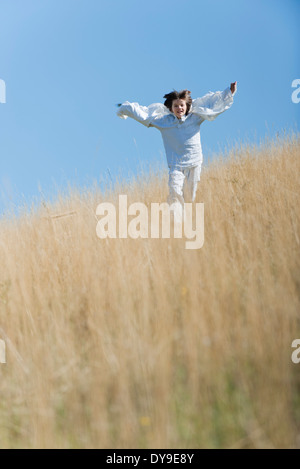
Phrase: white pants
{"type": "Point", "coordinates": [182, 188]}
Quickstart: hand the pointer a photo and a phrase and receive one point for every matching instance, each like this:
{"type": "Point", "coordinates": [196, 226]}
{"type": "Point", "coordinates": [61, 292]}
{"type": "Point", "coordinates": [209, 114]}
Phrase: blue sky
{"type": "Point", "coordinates": [66, 63]}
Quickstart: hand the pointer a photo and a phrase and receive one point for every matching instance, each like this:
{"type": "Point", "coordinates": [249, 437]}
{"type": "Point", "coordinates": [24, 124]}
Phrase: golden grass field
{"type": "Point", "coordinates": [124, 343]}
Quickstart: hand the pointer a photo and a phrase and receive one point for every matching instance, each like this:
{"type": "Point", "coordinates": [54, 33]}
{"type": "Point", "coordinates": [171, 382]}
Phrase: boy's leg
{"type": "Point", "coordinates": [175, 199]}
{"type": "Point", "coordinates": [192, 176]}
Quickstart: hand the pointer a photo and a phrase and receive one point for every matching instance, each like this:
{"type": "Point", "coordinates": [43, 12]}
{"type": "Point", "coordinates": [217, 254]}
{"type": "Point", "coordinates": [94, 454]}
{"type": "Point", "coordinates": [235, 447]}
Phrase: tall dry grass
{"type": "Point", "coordinates": [144, 344]}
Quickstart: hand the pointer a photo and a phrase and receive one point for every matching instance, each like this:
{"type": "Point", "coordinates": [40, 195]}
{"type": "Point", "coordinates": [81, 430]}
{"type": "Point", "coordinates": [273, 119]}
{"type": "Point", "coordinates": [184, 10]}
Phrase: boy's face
{"type": "Point", "coordinates": [179, 107]}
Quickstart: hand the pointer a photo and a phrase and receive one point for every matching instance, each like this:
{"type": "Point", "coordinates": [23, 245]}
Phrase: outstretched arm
{"type": "Point", "coordinates": [135, 111]}
{"type": "Point", "coordinates": [213, 104]}
{"type": "Point", "coordinates": [146, 115]}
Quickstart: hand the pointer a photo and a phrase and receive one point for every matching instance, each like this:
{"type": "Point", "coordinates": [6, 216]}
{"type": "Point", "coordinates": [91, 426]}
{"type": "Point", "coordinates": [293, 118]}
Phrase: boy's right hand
{"type": "Point", "coordinates": [233, 87]}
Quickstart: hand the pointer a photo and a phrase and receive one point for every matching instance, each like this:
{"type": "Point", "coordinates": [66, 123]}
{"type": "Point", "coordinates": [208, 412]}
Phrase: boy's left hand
{"type": "Point", "coordinates": [233, 87]}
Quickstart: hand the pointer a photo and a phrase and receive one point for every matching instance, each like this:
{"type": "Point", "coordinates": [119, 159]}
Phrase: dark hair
{"type": "Point", "coordinates": [183, 94]}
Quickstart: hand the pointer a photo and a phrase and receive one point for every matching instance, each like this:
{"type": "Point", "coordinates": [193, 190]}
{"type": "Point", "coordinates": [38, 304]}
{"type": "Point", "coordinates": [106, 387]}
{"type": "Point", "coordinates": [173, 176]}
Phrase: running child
{"type": "Point", "coordinates": [179, 120]}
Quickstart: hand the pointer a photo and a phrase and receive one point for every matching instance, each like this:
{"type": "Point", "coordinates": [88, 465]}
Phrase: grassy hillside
{"type": "Point", "coordinates": [124, 343]}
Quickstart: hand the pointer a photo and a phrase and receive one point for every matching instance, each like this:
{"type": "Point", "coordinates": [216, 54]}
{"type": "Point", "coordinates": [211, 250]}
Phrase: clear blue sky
{"type": "Point", "coordinates": [67, 62]}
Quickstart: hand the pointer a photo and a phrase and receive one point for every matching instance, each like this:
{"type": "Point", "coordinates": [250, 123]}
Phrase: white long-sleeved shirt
{"type": "Point", "coordinates": [181, 137]}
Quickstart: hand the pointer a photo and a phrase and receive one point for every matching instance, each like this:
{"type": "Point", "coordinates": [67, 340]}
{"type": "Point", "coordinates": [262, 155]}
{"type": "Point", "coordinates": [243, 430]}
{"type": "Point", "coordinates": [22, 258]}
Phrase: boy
{"type": "Point", "coordinates": [179, 120]}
